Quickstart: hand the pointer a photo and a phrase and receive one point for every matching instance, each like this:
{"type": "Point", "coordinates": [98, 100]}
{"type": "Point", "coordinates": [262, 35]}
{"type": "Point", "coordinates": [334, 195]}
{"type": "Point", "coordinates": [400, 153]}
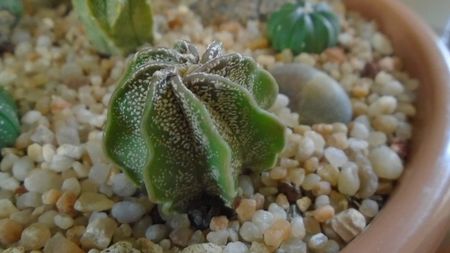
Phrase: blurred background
{"type": "Point", "coordinates": [436, 13]}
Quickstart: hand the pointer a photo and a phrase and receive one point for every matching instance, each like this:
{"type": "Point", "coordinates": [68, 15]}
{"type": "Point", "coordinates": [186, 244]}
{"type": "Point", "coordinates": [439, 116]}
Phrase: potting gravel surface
{"type": "Point", "coordinates": [59, 191]}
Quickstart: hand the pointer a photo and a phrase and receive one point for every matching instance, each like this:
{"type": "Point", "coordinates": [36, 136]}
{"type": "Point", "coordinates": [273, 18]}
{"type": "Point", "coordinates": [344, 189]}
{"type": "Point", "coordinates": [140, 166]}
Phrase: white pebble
{"type": "Point", "coordinates": [42, 135]}
{"type": "Point", "coordinates": [122, 186]}
{"type": "Point", "coordinates": [8, 161]}
{"type": "Point", "coordinates": [179, 221]}
{"type": "Point", "coordinates": [235, 247]}
{"type": "Point", "coordinates": [335, 156]}
{"type": "Point", "coordinates": [263, 219]}
{"type": "Point", "coordinates": [71, 185]}
{"type": "Point", "coordinates": [298, 228]}
{"type": "Point", "coordinates": [48, 151]}
{"type": "Point", "coordinates": [63, 221]}
{"type": "Point", "coordinates": [7, 182]}
{"type": "Point", "coordinates": [386, 163]}
{"type": "Point", "coordinates": [218, 237]}
{"type": "Point", "coordinates": [127, 211]}
{"type": "Point", "coordinates": [292, 245]}
{"type": "Point", "coordinates": [250, 232]}
{"type": "Point", "coordinates": [382, 44]}
{"type": "Point", "coordinates": [72, 151]}
{"type": "Point", "coordinates": [377, 138]}
{"type": "Point", "coordinates": [157, 232]}
{"type": "Point", "coordinates": [6, 208]}
{"type": "Point", "coordinates": [22, 167]}
{"type": "Point", "coordinates": [359, 131]}
{"type": "Point", "coordinates": [99, 173]}
{"type": "Point", "coordinates": [277, 211]}
{"type": "Point", "coordinates": [348, 181]}
{"type": "Point", "coordinates": [319, 142]}
{"type": "Point", "coordinates": [60, 163]}
{"type": "Point", "coordinates": [42, 181]}
{"type": "Point", "coordinates": [305, 149]}
{"type": "Point", "coordinates": [35, 152]}
{"type": "Point", "coordinates": [29, 199]}
{"type": "Point", "coordinates": [369, 208]}
{"type": "Point", "coordinates": [31, 117]}
{"type": "Point", "coordinates": [317, 241]}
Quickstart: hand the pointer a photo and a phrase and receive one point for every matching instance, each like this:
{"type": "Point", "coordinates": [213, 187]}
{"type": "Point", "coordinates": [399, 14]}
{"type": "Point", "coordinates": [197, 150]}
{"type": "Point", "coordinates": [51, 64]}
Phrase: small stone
{"type": "Point", "coordinates": [29, 199]}
{"type": "Point", "coordinates": [293, 245]}
{"type": "Point", "coordinates": [298, 228]}
{"type": "Point", "coordinates": [369, 208]}
{"type": "Point", "coordinates": [335, 156]}
{"type": "Point", "coordinates": [218, 223]}
{"type": "Point", "coordinates": [140, 227]}
{"type": "Point", "coordinates": [71, 151]}
{"type": "Point", "coordinates": [35, 153]}
{"type": "Point", "coordinates": [99, 173]}
{"type": "Point", "coordinates": [10, 231]}
{"type": "Point", "coordinates": [246, 209]}
{"type": "Point", "coordinates": [259, 248]}
{"type": "Point", "coordinates": [181, 236]}
{"type": "Point", "coordinates": [386, 163]}
{"type": "Point", "coordinates": [8, 183]}
{"type": "Point", "coordinates": [218, 237]}
{"type": "Point", "coordinates": [22, 167]}
{"type": "Point", "coordinates": [304, 203]}
{"type": "Point", "coordinates": [51, 196]}
{"type": "Point", "coordinates": [71, 185]}
{"type": "Point", "coordinates": [58, 242]}
{"type": "Point", "coordinates": [14, 250]}
{"type": "Point", "coordinates": [147, 246]}
{"type": "Point", "coordinates": [127, 211]}
{"type": "Point", "coordinates": [324, 213]}
{"type": "Point", "coordinates": [198, 237]}
{"type": "Point", "coordinates": [203, 248]}
{"type": "Point", "coordinates": [42, 180]}
{"type": "Point", "coordinates": [235, 247]}
{"type": "Point", "coordinates": [6, 208]}
{"type": "Point", "coordinates": [47, 218]}
{"type": "Point", "coordinates": [99, 232]}
{"type": "Point", "coordinates": [317, 241]}
{"type": "Point", "coordinates": [157, 232]}
{"type": "Point", "coordinates": [382, 44]}
{"type": "Point", "coordinates": [263, 219]}
{"type": "Point", "coordinates": [277, 233]}
{"type": "Point", "coordinates": [93, 202]}
{"type": "Point", "coordinates": [122, 186]}
{"type": "Point", "coordinates": [66, 202]}
{"type": "Point", "coordinates": [121, 247]}
{"type": "Point", "coordinates": [292, 192]}
{"type": "Point", "coordinates": [250, 232]}
{"type": "Point", "coordinates": [74, 233]}
{"type": "Point", "coordinates": [277, 211]}
{"type": "Point", "coordinates": [348, 180]}
{"type": "Point", "coordinates": [63, 221]}
{"type": "Point", "coordinates": [23, 217]}
{"type": "Point", "coordinates": [348, 224]}
{"type": "Point", "coordinates": [35, 236]}
{"type": "Point", "coordinates": [60, 163]}
{"type": "Point", "coordinates": [246, 185]}
{"type": "Point", "coordinates": [179, 221]}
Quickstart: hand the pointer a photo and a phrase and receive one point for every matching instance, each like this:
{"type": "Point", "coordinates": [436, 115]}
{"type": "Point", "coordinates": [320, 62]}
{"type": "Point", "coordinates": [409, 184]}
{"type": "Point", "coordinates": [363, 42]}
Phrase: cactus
{"type": "Point", "coordinates": [9, 122]}
{"type": "Point", "coordinates": [186, 125]}
{"type": "Point", "coordinates": [303, 27]}
{"type": "Point", "coordinates": [116, 27]}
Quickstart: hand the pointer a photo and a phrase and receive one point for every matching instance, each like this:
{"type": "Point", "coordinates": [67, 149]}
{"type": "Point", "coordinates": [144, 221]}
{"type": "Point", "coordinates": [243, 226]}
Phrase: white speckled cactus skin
{"type": "Point", "coordinates": [186, 125]}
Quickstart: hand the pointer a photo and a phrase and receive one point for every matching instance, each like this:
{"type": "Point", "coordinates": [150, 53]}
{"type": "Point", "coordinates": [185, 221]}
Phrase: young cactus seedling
{"type": "Point", "coordinates": [187, 125]}
{"type": "Point", "coordinates": [9, 121]}
{"type": "Point", "coordinates": [116, 27]}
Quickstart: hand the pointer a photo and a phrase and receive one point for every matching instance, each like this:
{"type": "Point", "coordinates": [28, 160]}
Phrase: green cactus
{"type": "Point", "coordinates": [116, 27]}
{"type": "Point", "coordinates": [186, 125]}
{"type": "Point", "coordinates": [303, 27]}
{"type": "Point", "coordinates": [9, 122]}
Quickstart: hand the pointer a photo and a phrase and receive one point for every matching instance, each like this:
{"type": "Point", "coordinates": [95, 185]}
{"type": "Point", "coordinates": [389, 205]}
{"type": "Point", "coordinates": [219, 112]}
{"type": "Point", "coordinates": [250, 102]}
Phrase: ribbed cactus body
{"type": "Point", "coordinates": [186, 125]}
{"type": "Point", "coordinates": [9, 121]}
{"type": "Point", "coordinates": [116, 27]}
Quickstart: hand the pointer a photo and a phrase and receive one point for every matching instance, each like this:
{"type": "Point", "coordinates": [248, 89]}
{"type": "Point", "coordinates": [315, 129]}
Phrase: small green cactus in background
{"type": "Point", "coordinates": [186, 126]}
{"type": "Point", "coordinates": [116, 27]}
{"type": "Point", "coordinates": [9, 121]}
{"type": "Point", "coordinates": [303, 27]}
{"type": "Point", "coordinates": [10, 13]}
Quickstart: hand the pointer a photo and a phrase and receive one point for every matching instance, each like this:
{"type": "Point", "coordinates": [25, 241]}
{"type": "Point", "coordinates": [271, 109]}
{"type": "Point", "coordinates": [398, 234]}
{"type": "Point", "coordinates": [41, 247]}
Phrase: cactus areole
{"type": "Point", "coordinates": [187, 125]}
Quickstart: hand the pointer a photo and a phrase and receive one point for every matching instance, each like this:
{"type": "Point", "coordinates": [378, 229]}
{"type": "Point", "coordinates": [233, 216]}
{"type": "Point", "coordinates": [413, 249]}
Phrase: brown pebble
{"type": "Point", "coordinates": [371, 69]}
{"type": "Point", "coordinates": [246, 209]}
{"type": "Point", "coordinates": [218, 223]}
{"type": "Point", "coordinates": [10, 231]}
{"type": "Point", "coordinates": [65, 203]}
{"type": "Point", "coordinates": [292, 193]}
{"type": "Point", "coordinates": [324, 213]}
{"type": "Point", "coordinates": [259, 43]}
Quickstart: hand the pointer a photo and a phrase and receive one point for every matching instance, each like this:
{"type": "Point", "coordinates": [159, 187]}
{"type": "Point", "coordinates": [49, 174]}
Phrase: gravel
{"type": "Point", "coordinates": [58, 189]}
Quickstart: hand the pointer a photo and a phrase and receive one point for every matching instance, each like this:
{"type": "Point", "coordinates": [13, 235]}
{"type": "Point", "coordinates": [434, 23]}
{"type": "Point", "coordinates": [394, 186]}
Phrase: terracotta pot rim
{"type": "Point", "coordinates": [416, 216]}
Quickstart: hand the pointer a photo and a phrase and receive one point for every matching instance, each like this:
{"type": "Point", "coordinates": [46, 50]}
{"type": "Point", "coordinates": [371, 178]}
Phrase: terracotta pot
{"type": "Point", "coordinates": [417, 215]}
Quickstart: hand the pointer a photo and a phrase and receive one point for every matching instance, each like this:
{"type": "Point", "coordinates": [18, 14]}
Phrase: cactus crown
{"type": "Point", "coordinates": [186, 125]}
